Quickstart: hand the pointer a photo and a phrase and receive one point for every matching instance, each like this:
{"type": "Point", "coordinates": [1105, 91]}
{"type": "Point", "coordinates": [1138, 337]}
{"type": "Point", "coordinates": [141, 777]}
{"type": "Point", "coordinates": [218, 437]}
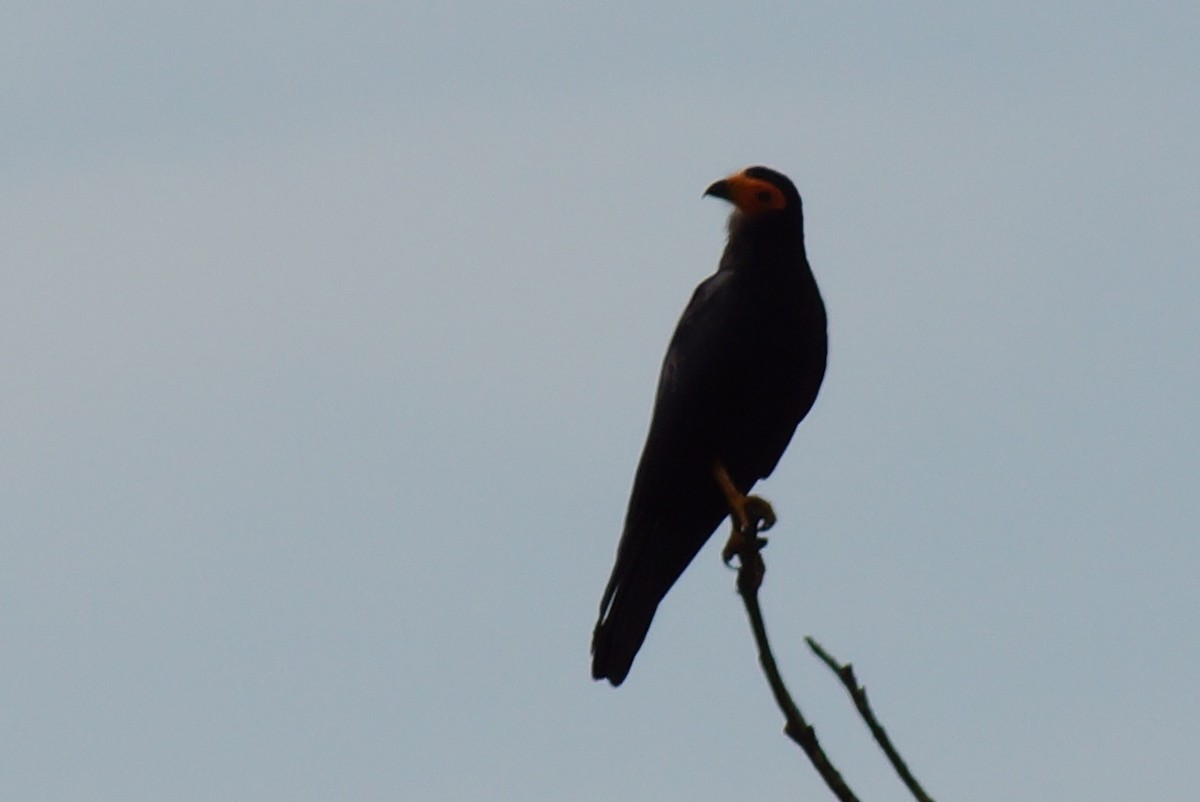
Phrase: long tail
{"type": "Point", "coordinates": [622, 629]}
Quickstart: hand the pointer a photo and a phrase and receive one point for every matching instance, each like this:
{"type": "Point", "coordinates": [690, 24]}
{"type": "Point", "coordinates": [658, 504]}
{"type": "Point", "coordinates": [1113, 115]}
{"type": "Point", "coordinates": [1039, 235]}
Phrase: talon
{"type": "Point", "coordinates": [736, 545]}
{"type": "Point", "coordinates": [757, 511]}
{"type": "Point", "coordinates": [733, 546]}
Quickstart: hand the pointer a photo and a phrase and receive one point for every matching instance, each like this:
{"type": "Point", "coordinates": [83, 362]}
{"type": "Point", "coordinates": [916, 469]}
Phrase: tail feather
{"type": "Point", "coordinates": [621, 631]}
{"type": "Point", "coordinates": [654, 551]}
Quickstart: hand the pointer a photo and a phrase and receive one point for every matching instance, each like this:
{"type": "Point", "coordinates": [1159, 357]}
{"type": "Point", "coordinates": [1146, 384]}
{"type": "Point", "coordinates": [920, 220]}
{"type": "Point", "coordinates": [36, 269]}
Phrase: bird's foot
{"type": "Point", "coordinates": [752, 515]}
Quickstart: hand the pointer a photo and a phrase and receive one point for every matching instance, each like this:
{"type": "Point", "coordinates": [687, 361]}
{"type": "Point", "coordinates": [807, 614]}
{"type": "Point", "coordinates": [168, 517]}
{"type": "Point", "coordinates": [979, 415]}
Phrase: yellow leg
{"type": "Point", "coordinates": [751, 514]}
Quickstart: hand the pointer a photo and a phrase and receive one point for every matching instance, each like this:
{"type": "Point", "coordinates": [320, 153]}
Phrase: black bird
{"type": "Point", "coordinates": [742, 370]}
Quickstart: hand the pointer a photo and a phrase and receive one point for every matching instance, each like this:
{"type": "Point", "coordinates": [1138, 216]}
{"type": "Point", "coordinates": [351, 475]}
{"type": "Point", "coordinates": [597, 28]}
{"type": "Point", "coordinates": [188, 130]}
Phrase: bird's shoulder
{"type": "Point", "coordinates": [694, 351]}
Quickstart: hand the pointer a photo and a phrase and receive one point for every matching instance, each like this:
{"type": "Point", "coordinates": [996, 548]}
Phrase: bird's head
{"type": "Point", "coordinates": [762, 199]}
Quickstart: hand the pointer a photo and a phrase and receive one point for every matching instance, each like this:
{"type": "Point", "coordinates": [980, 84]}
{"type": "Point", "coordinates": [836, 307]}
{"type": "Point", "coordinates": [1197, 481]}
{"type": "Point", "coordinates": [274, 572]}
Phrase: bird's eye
{"type": "Point", "coordinates": [763, 196]}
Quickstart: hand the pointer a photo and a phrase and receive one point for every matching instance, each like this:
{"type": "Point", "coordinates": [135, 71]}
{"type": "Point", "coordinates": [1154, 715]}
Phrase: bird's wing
{"type": "Point", "coordinates": [675, 504]}
{"type": "Point", "coordinates": [693, 393]}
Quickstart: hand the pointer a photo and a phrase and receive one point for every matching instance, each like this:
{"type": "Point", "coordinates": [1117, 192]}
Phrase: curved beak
{"type": "Point", "coordinates": [720, 189]}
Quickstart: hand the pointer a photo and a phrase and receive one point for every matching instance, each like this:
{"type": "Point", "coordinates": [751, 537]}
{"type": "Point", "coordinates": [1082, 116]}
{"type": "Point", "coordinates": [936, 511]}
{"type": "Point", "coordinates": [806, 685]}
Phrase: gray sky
{"type": "Point", "coordinates": [330, 334]}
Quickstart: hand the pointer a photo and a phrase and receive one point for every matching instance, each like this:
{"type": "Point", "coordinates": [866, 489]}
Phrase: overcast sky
{"type": "Point", "coordinates": [330, 333]}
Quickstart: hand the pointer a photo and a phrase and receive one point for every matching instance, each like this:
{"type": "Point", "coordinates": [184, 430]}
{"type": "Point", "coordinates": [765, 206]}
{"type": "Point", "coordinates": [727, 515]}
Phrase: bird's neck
{"type": "Point", "coordinates": [763, 248]}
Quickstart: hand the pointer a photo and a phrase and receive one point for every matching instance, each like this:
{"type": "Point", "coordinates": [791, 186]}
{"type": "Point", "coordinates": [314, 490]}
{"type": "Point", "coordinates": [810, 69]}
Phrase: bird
{"type": "Point", "coordinates": [742, 369]}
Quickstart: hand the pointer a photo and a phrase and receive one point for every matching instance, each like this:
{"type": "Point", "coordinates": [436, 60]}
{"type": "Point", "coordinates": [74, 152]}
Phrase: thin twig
{"type": "Point", "coordinates": [750, 576]}
{"type": "Point", "coordinates": [845, 673]}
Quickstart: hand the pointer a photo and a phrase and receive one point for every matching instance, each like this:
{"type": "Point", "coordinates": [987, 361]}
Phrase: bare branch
{"type": "Point", "coordinates": [845, 673]}
{"type": "Point", "coordinates": [747, 545]}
